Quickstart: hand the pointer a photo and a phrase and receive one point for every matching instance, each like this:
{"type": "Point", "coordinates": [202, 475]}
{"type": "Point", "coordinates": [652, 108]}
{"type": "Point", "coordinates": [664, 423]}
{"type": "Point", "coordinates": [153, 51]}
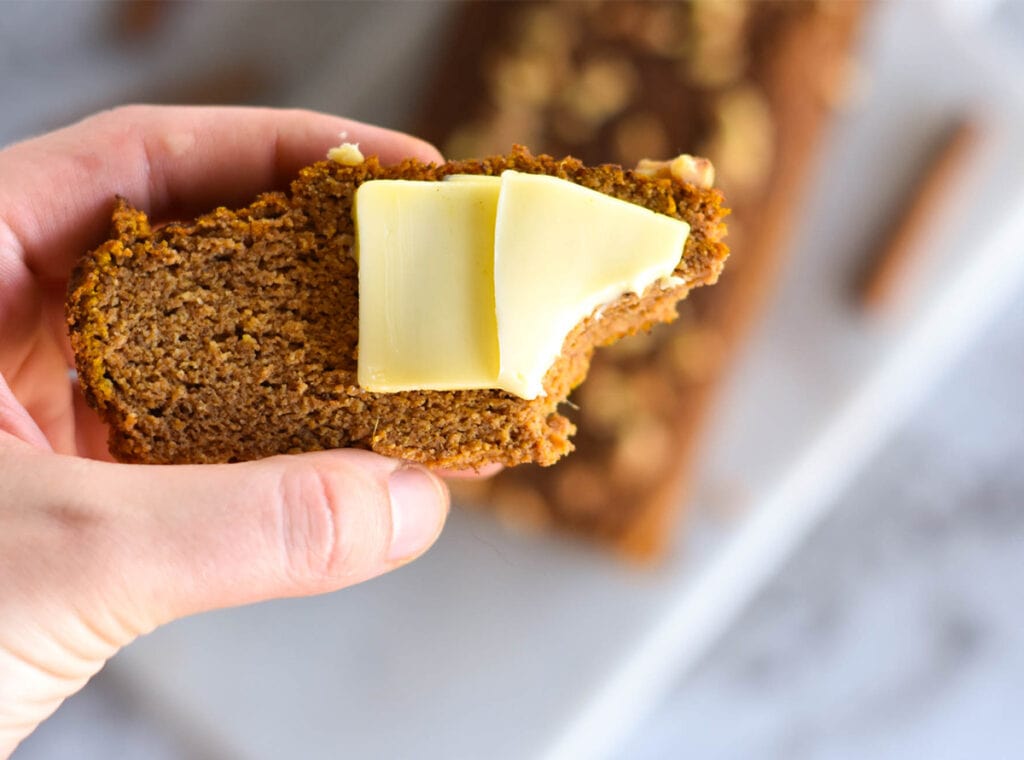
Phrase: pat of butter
{"type": "Point", "coordinates": [560, 252]}
{"type": "Point", "coordinates": [477, 281]}
{"type": "Point", "coordinates": [426, 285]}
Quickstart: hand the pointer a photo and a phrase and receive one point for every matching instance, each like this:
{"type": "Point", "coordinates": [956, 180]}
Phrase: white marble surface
{"type": "Point", "coordinates": [897, 630]}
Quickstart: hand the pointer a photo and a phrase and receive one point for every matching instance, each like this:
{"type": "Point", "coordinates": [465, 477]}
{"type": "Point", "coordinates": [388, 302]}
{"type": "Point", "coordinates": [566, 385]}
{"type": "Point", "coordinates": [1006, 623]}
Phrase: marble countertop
{"type": "Point", "coordinates": [897, 630]}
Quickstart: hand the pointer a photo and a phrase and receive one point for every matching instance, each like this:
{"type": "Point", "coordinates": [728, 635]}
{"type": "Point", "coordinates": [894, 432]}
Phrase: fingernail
{"type": "Point", "coordinates": [419, 504]}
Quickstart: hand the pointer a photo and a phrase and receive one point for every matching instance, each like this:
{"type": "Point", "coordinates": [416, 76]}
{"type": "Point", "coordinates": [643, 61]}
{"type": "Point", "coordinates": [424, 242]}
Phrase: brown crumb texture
{"type": "Point", "coordinates": [235, 337]}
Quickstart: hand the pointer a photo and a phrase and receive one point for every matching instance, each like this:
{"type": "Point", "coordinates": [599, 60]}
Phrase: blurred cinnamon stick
{"type": "Point", "coordinates": [889, 268]}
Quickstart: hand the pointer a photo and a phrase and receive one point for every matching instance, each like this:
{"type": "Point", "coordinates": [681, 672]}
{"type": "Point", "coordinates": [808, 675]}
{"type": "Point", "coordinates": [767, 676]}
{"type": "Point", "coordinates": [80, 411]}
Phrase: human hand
{"type": "Point", "coordinates": [92, 553]}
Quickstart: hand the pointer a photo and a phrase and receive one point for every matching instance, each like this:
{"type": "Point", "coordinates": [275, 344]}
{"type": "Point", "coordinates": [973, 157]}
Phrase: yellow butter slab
{"type": "Point", "coordinates": [426, 285]}
{"type": "Point", "coordinates": [561, 251]}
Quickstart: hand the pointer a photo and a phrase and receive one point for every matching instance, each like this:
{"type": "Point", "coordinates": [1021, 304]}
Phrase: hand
{"type": "Point", "coordinates": [92, 553]}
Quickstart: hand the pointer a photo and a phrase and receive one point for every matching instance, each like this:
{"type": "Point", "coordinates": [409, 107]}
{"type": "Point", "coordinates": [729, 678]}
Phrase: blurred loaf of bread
{"type": "Point", "coordinates": [751, 86]}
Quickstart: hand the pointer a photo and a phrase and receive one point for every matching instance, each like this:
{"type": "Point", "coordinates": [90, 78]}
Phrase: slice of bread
{"type": "Point", "coordinates": [235, 336]}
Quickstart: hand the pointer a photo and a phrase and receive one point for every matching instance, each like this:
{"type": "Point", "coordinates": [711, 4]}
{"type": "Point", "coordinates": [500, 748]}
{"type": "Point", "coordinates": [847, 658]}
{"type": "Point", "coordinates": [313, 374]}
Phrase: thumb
{"type": "Point", "coordinates": [182, 539]}
{"type": "Point", "coordinates": [93, 554]}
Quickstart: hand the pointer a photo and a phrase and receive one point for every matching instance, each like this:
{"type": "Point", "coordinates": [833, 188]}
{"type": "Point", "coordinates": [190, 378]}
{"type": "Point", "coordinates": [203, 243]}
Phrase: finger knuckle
{"type": "Point", "coordinates": [307, 510]}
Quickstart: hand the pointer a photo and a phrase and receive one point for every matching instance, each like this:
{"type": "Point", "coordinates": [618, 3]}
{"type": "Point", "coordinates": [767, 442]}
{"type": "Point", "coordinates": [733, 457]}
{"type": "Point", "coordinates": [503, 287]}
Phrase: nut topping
{"type": "Point", "coordinates": [685, 169]}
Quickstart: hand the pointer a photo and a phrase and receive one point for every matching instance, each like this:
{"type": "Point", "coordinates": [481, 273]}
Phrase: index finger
{"type": "Point", "coordinates": [58, 189]}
